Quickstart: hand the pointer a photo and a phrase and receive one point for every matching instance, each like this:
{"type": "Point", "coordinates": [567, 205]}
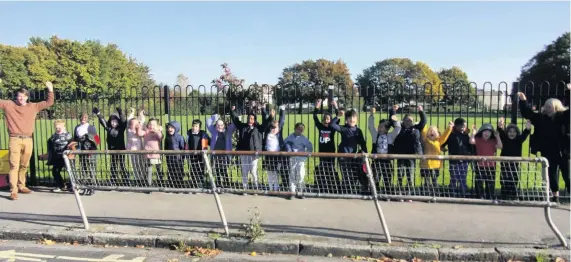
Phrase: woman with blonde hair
{"type": "Point", "coordinates": [550, 142]}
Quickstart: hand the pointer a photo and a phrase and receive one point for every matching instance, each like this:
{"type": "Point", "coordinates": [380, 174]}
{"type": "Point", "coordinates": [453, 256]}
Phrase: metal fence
{"type": "Point", "coordinates": [460, 179]}
{"type": "Point", "coordinates": [476, 103]}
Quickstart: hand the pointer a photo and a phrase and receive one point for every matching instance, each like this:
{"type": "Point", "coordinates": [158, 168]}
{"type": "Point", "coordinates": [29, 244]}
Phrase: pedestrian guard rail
{"type": "Point", "coordinates": [433, 178]}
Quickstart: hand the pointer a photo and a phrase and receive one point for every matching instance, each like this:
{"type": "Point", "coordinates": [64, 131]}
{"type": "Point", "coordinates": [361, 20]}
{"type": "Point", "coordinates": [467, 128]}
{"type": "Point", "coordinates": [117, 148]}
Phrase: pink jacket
{"type": "Point", "coordinates": [153, 142]}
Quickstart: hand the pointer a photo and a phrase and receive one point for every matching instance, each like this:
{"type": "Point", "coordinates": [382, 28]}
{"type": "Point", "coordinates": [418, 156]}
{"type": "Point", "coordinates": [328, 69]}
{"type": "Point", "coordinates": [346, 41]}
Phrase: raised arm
{"type": "Point", "coordinates": [282, 117]}
{"type": "Point", "coordinates": [525, 132]}
{"type": "Point", "coordinates": [525, 111]}
{"type": "Point", "coordinates": [235, 119]}
{"type": "Point", "coordinates": [315, 112]}
{"type": "Point", "coordinates": [371, 124]}
{"type": "Point", "coordinates": [50, 101]}
{"type": "Point", "coordinates": [499, 144]}
{"type": "Point", "coordinates": [335, 125]}
{"type": "Point", "coordinates": [422, 122]}
{"type": "Point", "coordinates": [444, 137]}
{"type": "Point", "coordinates": [122, 119]}
{"type": "Point", "coordinates": [211, 123]}
{"type": "Point", "coordinates": [473, 135]}
{"type": "Point", "coordinates": [396, 127]}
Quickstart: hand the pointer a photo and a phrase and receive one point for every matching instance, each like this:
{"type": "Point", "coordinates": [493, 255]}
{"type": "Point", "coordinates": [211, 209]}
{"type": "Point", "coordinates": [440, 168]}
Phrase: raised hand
{"type": "Point", "coordinates": [419, 108]}
{"type": "Point", "coordinates": [318, 103]}
{"type": "Point", "coordinates": [233, 108]}
{"type": "Point", "coordinates": [273, 113]}
{"type": "Point", "coordinates": [50, 86]}
{"type": "Point", "coordinates": [521, 96]}
{"type": "Point", "coordinates": [394, 118]}
{"type": "Point", "coordinates": [373, 110]}
{"type": "Point", "coordinates": [501, 123]}
{"type": "Point", "coordinates": [450, 124]}
{"type": "Point", "coordinates": [142, 113]}
{"type": "Point", "coordinates": [132, 112]}
{"type": "Point", "coordinates": [334, 103]}
{"type": "Point", "coordinates": [474, 130]}
{"type": "Point", "coordinates": [528, 124]}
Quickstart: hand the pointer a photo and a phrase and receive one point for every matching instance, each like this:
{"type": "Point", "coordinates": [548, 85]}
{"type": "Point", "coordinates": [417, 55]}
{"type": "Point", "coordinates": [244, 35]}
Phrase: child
{"type": "Point", "coordinates": [197, 139]}
{"type": "Point", "coordinates": [249, 139]}
{"type": "Point", "coordinates": [297, 142]}
{"type": "Point", "coordinates": [325, 175]}
{"type": "Point", "coordinates": [87, 139]}
{"type": "Point", "coordinates": [512, 141]}
{"type": "Point", "coordinates": [152, 137]}
{"type": "Point", "coordinates": [58, 143]}
{"type": "Point", "coordinates": [459, 144]}
{"type": "Point", "coordinates": [487, 143]}
{"type": "Point", "coordinates": [351, 139]}
{"type": "Point", "coordinates": [135, 134]}
{"type": "Point", "coordinates": [432, 141]}
{"type": "Point", "coordinates": [115, 128]}
{"type": "Point", "coordinates": [408, 143]}
{"type": "Point", "coordinates": [383, 143]}
{"type": "Point", "coordinates": [175, 164]}
{"type": "Point", "coordinates": [274, 142]}
{"type": "Point", "coordinates": [221, 140]}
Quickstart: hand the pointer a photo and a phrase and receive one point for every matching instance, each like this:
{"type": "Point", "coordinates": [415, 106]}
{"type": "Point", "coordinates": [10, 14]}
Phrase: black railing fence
{"type": "Point", "coordinates": [477, 104]}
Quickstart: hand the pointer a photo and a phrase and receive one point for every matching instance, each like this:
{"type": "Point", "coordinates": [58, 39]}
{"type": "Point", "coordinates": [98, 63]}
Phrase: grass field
{"type": "Point", "coordinates": [44, 128]}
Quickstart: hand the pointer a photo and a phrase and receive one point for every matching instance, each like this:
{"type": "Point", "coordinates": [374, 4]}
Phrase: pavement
{"type": "Point", "coordinates": [16, 251]}
{"type": "Point", "coordinates": [308, 226]}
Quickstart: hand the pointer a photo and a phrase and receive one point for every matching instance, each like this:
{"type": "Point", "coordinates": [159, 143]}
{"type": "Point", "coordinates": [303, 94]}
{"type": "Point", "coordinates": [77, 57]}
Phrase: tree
{"type": "Point", "coordinates": [548, 70]}
{"type": "Point", "coordinates": [456, 87]}
{"type": "Point", "coordinates": [183, 85]}
{"type": "Point", "coordinates": [232, 88]}
{"type": "Point", "coordinates": [90, 67]}
{"type": "Point", "coordinates": [398, 80]}
{"type": "Point", "coordinates": [309, 80]}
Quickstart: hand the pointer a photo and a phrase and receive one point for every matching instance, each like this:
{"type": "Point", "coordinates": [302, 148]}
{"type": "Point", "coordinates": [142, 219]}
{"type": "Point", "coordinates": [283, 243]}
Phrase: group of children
{"type": "Point", "coordinates": [406, 138]}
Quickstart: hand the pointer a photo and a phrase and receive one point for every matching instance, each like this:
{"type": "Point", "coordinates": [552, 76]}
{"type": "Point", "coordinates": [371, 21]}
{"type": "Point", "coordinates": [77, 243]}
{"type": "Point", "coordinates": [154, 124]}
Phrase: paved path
{"type": "Point", "coordinates": [352, 219]}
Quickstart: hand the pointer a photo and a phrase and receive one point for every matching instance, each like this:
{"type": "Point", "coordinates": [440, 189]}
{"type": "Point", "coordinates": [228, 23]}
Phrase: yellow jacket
{"type": "Point", "coordinates": [432, 147]}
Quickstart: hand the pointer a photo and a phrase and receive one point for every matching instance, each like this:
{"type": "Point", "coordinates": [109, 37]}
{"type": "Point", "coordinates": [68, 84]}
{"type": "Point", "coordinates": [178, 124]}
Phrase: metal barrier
{"type": "Point", "coordinates": [453, 179]}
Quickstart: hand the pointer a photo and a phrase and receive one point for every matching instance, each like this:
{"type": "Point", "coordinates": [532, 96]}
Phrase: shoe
{"type": "Point", "coordinates": [57, 190]}
{"type": "Point", "coordinates": [25, 190]}
{"type": "Point", "coordinates": [13, 196]}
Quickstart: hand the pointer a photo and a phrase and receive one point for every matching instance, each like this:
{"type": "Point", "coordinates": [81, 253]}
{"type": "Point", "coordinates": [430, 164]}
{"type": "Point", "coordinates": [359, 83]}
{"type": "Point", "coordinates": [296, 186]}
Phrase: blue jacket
{"type": "Point", "coordinates": [176, 141]}
{"type": "Point", "coordinates": [211, 126]}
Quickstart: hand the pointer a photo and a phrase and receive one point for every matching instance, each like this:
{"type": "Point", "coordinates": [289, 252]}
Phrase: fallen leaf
{"type": "Point", "coordinates": [46, 242]}
{"type": "Point", "coordinates": [140, 246]}
{"type": "Point", "coordinates": [558, 259]}
{"type": "Point", "coordinates": [457, 247]}
{"type": "Point", "coordinates": [253, 254]}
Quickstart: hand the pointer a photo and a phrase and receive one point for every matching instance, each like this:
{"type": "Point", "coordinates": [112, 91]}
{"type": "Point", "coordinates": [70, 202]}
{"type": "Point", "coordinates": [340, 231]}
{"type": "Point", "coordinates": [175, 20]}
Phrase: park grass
{"type": "Point", "coordinates": [530, 174]}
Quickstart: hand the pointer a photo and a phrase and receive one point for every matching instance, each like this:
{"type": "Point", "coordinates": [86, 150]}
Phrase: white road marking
{"type": "Point", "coordinates": [12, 256]}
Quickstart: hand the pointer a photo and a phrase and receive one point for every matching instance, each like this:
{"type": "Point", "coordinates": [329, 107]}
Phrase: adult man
{"type": "Point", "coordinates": [21, 120]}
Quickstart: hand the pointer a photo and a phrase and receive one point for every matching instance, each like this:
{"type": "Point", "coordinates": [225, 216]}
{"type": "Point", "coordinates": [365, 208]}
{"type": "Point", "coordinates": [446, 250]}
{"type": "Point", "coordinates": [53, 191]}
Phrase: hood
{"type": "Point", "coordinates": [114, 116]}
{"type": "Point", "coordinates": [176, 126]}
{"type": "Point", "coordinates": [513, 126]}
{"type": "Point", "coordinates": [484, 127]}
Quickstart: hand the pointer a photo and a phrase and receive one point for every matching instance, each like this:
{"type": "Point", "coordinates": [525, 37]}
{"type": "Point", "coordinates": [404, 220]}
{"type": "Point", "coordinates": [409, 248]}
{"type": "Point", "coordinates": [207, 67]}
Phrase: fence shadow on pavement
{"type": "Point", "coordinates": [192, 227]}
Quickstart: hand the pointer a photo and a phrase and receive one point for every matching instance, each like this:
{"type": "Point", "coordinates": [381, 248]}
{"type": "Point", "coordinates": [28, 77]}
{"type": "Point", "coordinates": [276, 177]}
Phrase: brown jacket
{"type": "Point", "coordinates": [21, 120]}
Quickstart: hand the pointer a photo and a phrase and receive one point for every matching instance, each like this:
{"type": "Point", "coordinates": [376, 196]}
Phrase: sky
{"type": "Point", "coordinates": [490, 41]}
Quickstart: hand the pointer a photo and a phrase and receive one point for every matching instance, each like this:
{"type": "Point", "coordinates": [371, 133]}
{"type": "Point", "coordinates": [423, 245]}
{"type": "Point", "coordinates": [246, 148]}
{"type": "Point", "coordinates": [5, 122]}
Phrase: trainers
{"type": "Point", "coordinates": [25, 190]}
{"type": "Point", "coordinates": [57, 190]}
{"type": "Point", "coordinates": [13, 196]}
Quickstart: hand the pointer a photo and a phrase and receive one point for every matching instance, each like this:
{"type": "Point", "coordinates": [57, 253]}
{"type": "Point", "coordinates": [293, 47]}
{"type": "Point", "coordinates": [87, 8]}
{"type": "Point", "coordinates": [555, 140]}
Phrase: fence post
{"type": "Point", "coordinates": [515, 101]}
{"type": "Point", "coordinates": [214, 192]}
{"type": "Point", "coordinates": [376, 199]}
{"type": "Point", "coordinates": [166, 95]}
{"type": "Point", "coordinates": [547, 207]}
{"type": "Point", "coordinates": [75, 193]}
{"type": "Point", "coordinates": [32, 167]}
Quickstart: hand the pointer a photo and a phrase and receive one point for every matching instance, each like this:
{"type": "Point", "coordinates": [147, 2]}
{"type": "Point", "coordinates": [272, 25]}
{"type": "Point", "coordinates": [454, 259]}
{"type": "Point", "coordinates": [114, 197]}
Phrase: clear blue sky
{"type": "Point", "coordinates": [489, 40]}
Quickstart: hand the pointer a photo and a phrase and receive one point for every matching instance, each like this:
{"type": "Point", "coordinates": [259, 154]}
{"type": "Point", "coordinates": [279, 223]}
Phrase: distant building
{"type": "Point", "coordinates": [493, 100]}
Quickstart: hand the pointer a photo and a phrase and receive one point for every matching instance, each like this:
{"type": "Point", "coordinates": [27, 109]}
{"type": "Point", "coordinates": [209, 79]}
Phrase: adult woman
{"type": "Point", "coordinates": [550, 139]}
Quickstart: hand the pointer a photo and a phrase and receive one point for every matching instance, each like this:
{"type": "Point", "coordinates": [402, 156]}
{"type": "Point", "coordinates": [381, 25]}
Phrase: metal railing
{"type": "Point", "coordinates": [453, 179]}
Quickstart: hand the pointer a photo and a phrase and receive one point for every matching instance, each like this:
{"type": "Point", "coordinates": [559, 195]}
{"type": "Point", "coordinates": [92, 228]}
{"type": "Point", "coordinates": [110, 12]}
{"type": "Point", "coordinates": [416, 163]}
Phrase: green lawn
{"type": "Point", "coordinates": [529, 174]}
